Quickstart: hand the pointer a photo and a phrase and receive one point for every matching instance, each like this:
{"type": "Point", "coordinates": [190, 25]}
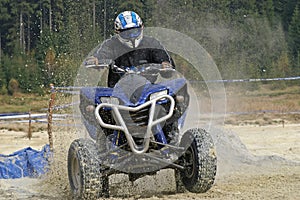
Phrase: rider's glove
{"type": "Point", "coordinates": [166, 65]}
{"type": "Point", "coordinates": [91, 61]}
{"type": "Point", "coordinates": [166, 72]}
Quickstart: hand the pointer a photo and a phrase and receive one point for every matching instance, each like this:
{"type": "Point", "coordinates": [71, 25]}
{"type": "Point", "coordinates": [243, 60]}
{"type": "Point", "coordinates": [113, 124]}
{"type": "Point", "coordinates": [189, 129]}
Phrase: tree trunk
{"type": "Point", "coordinates": [21, 19]}
{"type": "Point", "coordinates": [104, 31]}
{"type": "Point", "coordinates": [50, 17]}
{"type": "Point", "coordinates": [0, 50]}
{"type": "Point", "coordinates": [41, 19]}
{"type": "Point", "coordinates": [28, 34]}
{"type": "Point", "coordinates": [94, 18]}
{"type": "Point", "coordinates": [22, 39]}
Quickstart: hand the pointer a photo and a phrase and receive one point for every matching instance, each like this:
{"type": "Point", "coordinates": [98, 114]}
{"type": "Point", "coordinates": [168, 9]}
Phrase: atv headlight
{"type": "Point", "coordinates": [110, 100]}
{"type": "Point", "coordinates": [158, 94]}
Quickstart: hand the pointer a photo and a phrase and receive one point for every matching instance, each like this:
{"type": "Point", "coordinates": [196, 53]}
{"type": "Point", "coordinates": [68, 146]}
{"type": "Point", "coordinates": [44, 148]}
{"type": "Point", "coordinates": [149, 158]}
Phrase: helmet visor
{"type": "Point", "coordinates": [131, 33]}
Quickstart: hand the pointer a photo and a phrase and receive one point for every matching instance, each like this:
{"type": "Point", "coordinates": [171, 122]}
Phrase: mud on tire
{"type": "Point", "coordinates": [199, 160]}
{"type": "Point", "coordinates": [84, 171]}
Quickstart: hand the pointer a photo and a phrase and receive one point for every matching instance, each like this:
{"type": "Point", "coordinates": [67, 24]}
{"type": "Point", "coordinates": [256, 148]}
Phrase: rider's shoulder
{"type": "Point", "coordinates": [109, 43]}
{"type": "Point", "coordinates": [112, 40]}
{"type": "Point", "coordinates": [150, 41]}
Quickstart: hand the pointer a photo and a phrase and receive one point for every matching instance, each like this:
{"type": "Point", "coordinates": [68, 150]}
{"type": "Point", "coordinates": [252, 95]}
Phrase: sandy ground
{"type": "Point", "coordinates": [254, 162]}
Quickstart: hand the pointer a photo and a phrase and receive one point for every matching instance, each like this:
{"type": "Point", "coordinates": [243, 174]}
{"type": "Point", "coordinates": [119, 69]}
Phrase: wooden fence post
{"type": "Point", "coordinates": [50, 112]}
{"type": "Point", "coordinates": [29, 127]}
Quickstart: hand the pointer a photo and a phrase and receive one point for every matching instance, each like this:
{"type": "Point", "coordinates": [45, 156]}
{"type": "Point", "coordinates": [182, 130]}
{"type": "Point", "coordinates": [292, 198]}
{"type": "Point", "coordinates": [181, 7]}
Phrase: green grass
{"type": "Point", "coordinates": [267, 90]}
{"type": "Point", "coordinates": [32, 102]}
{"type": "Point", "coordinates": [23, 103]}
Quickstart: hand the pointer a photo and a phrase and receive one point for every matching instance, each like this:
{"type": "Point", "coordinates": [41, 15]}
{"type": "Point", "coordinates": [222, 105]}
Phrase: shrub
{"type": "Point", "coordinates": [3, 90]}
{"type": "Point", "coordinates": [13, 86]}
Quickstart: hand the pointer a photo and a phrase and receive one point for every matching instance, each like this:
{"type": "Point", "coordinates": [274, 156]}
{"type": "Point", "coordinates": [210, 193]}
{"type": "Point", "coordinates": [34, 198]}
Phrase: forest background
{"type": "Point", "coordinates": [44, 41]}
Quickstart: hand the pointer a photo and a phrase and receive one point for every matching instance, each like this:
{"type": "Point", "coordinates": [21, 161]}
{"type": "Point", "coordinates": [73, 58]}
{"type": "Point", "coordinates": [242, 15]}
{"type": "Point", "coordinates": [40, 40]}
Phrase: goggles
{"type": "Point", "coordinates": [130, 33]}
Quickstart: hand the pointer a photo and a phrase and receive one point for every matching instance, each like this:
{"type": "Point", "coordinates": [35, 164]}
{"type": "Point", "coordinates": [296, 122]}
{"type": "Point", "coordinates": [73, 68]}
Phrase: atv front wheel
{"type": "Point", "coordinates": [199, 161]}
{"type": "Point", "coordinates": [84, 171]}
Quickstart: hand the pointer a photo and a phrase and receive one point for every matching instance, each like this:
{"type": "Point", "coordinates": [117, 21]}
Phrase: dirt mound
{"type": "Point", "coordinates": [234, 156]}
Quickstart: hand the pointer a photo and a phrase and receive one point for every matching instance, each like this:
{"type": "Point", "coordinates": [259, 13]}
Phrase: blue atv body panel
{"type": "Point", "coordinates": [93, 94]}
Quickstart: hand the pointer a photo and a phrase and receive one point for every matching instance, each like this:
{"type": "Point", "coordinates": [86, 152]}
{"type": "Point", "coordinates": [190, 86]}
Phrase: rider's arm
{"type": "Point", "coordinates": [161, 55]}
{"type": "Point", "coordinates": [105, 51]}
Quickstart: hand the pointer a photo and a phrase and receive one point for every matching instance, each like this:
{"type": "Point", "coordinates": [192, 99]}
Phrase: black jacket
{"type": "Point", "coordinates": [149, 51]}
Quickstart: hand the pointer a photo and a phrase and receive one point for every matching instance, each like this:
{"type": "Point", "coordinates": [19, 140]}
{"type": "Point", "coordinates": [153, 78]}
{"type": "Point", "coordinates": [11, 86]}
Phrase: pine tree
{"type": "Point", "coordinates": [294, 38]}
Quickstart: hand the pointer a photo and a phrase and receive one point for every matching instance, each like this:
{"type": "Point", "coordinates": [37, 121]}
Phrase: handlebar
{"type": "Point", "coordinates": [149, 68]}
{"type": "Point", "coordinates": [94, 63]}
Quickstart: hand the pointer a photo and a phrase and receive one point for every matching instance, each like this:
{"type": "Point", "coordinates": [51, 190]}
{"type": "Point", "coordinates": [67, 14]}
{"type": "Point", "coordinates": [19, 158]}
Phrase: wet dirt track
{"type": "Point", "coordinates": [253, 163]}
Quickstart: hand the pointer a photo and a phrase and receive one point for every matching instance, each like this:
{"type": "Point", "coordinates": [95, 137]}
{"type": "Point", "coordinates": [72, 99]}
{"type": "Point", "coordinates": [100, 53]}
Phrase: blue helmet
{"type": "Point", "coordinates": [129, 27]}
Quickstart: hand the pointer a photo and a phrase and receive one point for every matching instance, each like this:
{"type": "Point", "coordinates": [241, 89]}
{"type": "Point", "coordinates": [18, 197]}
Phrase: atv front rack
{"type": "Point", "coordinates": [121, 124]}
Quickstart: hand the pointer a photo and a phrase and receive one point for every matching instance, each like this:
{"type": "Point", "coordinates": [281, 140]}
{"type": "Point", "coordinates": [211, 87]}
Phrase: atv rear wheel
{"type": "Point", "coordinates": [199, 160]}
{"type": "Point", "coordinates": [84, 171]}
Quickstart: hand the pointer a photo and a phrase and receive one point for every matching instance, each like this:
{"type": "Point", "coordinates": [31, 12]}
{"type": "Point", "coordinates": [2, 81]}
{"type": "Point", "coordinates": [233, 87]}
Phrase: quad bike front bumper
{"type": "Point", "coordinates": [122, 126]}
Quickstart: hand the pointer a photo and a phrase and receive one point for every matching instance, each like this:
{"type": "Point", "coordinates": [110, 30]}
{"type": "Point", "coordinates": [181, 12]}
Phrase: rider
{"type": "Point", "coordinates": [129, 47]}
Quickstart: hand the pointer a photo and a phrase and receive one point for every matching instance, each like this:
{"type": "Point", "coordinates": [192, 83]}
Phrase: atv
{"type": "Point", "coordinates": [135, 128]}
